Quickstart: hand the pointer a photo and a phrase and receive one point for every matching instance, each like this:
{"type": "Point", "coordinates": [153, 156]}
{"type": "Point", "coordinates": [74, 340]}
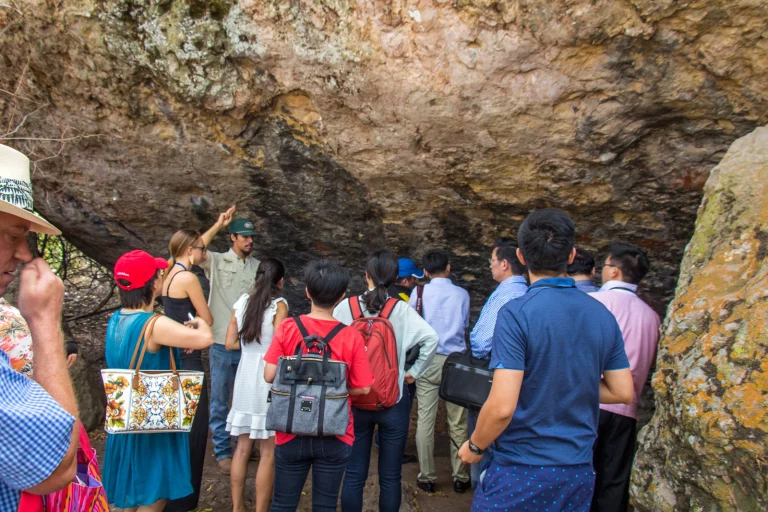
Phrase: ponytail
{"type": "Point", "coordinates": [265, 290]}
{"type": "Point", "coordinates": [381, 268]}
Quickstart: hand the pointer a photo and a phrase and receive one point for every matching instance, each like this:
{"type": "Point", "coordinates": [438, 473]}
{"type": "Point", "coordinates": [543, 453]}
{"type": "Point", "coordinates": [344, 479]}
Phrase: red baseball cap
{"type": "Point", "coordinates": [137, 267]}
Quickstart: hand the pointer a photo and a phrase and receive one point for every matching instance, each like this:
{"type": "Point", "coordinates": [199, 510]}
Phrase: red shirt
{"type": "Point", "coordinates": [347, 346]}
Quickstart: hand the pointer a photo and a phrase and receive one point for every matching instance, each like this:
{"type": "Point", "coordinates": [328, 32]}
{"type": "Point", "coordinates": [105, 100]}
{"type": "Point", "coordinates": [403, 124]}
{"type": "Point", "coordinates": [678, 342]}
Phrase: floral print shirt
{"type": "Point", "coordinates": [15, 338]}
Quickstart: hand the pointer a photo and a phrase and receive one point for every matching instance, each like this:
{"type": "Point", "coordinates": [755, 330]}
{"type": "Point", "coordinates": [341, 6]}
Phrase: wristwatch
{"type": "Point", "coordinates": [474, 449]}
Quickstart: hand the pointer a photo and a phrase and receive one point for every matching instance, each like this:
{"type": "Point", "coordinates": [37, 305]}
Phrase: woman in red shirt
{"type": "Point", "coordinates": [326, 285]}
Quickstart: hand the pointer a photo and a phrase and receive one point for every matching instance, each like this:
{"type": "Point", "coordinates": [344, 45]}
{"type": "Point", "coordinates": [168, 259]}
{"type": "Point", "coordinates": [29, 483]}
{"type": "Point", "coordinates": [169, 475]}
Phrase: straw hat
{"type": "Point", "coordinates": [16, 190]}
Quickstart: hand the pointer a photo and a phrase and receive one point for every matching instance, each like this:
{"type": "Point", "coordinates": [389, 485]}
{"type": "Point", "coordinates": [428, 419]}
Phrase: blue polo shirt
{"type": "Point", "coordinates": [563, 340]}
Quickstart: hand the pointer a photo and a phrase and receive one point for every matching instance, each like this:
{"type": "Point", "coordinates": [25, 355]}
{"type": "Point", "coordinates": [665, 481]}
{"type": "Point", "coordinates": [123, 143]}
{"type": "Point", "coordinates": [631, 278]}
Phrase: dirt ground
{"type": "Point", "coordinates": [215, 496]}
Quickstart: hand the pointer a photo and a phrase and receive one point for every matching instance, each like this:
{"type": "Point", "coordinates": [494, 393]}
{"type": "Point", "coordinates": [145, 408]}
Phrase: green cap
{"type": "Point", "coordinates": [241, 227]}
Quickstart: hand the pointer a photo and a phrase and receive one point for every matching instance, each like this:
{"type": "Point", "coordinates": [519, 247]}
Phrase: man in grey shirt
{"type": "Point", "coordinates": [231, 274]}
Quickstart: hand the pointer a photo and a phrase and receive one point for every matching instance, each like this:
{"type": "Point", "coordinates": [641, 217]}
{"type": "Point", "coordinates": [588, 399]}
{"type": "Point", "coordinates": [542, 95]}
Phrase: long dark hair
{"type": "Point", "coordinates": [382, 268]}
{"type": "Point", "coordinates": [265, 289]}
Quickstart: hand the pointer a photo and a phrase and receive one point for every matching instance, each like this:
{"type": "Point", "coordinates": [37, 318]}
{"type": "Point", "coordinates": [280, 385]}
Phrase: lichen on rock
{"type": "Point", "coordinates": [706, 447]}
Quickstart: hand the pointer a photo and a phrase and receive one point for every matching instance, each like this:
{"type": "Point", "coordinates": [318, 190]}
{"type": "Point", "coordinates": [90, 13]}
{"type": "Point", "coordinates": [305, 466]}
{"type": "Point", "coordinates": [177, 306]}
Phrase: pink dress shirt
{"type": "Point", "coordinates": [640, 328]}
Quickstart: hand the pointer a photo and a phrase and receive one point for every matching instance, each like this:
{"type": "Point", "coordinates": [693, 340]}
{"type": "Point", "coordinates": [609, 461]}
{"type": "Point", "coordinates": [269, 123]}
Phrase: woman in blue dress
{"type": "Point", "coordinates": [142, 471]}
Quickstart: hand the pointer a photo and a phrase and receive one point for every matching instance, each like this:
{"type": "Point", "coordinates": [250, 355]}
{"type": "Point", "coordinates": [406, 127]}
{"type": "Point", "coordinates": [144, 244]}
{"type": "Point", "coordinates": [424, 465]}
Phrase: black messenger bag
{"type": "Point", "coordinates": [466, 380]}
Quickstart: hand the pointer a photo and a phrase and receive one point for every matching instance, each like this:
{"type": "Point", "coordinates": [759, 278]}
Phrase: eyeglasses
{"type": "Point", "coordinates": [201, 247]}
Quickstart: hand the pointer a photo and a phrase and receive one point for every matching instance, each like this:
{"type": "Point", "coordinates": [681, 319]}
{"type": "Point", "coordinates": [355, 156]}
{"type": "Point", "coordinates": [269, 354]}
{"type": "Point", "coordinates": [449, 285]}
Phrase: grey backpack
{"type": "Point", "coordinates": [309, 394]}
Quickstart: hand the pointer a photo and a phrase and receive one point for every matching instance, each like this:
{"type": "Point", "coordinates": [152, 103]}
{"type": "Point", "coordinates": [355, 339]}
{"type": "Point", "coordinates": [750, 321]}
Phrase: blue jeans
{"type": "Point", "coordinates": [327, 456]}
{"type": "Point", "coordinates": [474, 469]}
{"type": "Point", "coordinates": [409, 390]}
{"type": "Point", "coordinates": [393, 433]}
{"type": "Point", "coordinates": [223, 364]}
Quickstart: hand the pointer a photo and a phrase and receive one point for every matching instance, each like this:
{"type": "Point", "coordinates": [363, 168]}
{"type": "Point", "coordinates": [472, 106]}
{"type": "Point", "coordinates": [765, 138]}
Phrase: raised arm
{"type": "Point", "coordinates": [41, 294]}
{"type": "Point", "coordinates": [223, 221]}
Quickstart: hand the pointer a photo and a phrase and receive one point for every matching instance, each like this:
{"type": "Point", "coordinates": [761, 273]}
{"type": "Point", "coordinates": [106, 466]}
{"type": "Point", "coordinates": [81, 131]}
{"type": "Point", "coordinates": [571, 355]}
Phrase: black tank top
{"type": "Point", "coordinates": [177, 309]}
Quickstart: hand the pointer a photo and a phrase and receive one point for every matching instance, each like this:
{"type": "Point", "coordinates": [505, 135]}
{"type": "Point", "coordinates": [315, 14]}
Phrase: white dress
{"type": "Point", "coordinates": [248, 414]}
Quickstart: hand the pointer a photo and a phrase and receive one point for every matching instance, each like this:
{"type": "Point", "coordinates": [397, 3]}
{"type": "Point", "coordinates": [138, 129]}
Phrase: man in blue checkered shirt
{"type": "Point", "coordinates": [509, 273]}
{"type": "Point", "coordinates": [38, 433]}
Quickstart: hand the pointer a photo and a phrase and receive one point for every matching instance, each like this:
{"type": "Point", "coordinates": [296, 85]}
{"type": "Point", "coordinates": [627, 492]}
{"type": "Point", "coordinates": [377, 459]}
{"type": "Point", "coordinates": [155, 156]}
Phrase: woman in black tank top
{"type": "Point", "coordinates": [182, 295]}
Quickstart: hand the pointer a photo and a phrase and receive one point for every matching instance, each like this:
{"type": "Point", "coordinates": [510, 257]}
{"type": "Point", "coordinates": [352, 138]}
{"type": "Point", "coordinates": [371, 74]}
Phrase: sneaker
{"type": "Point", "coordinates": [225, 465]}
{"type": "Point", "coordinates": [428, 487]}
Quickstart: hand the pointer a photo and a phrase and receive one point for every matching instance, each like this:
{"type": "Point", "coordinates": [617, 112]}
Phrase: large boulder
{"type": "Point", "coordinates": [706, 447]}
{"type": "Point", "coordinates": [340, 126]}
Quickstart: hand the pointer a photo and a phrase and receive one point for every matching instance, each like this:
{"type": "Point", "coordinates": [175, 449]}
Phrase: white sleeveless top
{"type": "Point", "coordinates": [267, 329]}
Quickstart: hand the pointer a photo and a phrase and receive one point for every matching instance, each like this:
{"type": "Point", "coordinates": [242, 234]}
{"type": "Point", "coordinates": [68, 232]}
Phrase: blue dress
{"type": "Point", "coordinates": [140, 469]}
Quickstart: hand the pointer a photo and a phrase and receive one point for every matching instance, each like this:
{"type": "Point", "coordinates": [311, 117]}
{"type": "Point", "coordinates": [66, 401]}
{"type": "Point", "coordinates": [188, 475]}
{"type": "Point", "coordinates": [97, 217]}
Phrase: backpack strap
{"type": "Point", "coordinates": [327, 338]}
{"type": "Point", "coordinates": [302, 329]}
{"type": "Point", "coordinates": [354, 307]}
{"type": "Point", "coordinates": [389, 306]}
{"type": "Point", "coordinates": [336, 330]}
{"type": "Point", "coordinates": [322, 343]}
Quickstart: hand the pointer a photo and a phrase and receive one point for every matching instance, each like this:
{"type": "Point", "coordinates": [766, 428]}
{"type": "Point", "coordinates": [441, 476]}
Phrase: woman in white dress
{"type": "Point", "coordinates": [255, 318]}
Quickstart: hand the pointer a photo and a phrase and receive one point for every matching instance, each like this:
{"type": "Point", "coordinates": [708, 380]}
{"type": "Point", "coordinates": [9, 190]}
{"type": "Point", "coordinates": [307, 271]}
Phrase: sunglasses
{"type": "Point", "coordinates": [201, 247]}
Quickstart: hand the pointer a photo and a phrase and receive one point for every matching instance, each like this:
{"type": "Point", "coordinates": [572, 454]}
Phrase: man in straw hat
{"type": "Point", "coordinates": [38, 432]}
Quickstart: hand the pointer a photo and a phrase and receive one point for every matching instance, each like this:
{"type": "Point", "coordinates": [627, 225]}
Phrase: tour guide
{"type": "Point", "coordinates": [231, 274]}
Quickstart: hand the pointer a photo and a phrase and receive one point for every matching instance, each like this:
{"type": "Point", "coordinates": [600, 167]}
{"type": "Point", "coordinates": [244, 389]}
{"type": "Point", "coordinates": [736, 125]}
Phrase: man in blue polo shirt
{"type": "Point", "coordinates": [550, 348]}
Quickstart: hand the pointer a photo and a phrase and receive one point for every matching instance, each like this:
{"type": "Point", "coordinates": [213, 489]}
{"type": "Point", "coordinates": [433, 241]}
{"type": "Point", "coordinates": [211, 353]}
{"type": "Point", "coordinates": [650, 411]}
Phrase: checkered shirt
{"type": "Point", "coordinates": [35, 433]}
{"type": "Point", "coordinates": [481, 337]}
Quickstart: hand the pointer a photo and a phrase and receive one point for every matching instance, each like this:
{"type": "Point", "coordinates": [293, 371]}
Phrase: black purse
{"type": "Point", "coordinates": [466, 380]}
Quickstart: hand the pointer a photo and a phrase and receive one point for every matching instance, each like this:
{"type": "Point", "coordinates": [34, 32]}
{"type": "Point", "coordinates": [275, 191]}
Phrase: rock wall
{"type": "Point", "coordinates": [706, 448]}
{"type": "Point", "coordinates": [340, 126]}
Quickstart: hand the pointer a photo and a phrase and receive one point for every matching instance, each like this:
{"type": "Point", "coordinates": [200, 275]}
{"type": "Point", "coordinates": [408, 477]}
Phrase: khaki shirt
{"type": "Point", "coordinates": [230, 278]}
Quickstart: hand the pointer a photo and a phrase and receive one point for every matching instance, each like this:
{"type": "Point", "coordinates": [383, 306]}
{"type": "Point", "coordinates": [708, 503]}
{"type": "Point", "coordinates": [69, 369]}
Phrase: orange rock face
{"type": "Point", "coordinates": [706, 446]}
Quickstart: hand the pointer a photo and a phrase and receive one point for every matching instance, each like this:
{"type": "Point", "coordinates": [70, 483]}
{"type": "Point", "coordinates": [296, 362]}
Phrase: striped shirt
{"type": "Point", "coordinates": [35, 432]}
{"type": "Point", "coordinates": [482, 335]}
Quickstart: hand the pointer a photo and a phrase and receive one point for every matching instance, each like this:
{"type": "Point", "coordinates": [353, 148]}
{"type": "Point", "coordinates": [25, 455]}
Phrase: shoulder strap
{"type": "Point", "coordinates": [144, 336]}
{"type": "Point", "coordinates": [302, 329]}
{"type": "Point", "coordinates": [354, 307]}
{"type": "Point", "coordinates": [389, 306]}
{"type": "Point", "coordinates": [141, 335]}
{"type": "Point", "coordinates": [336, 330]}
{"type": "Point", "coordinates": [168, 288]}
{"type": "Point", "coordinates": [630, 290]}
{"type": "Point", "coordinates": [419, 302]}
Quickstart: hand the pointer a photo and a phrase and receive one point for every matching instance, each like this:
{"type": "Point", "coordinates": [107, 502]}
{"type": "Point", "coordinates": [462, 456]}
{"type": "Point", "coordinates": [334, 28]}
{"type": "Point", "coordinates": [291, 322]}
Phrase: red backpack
{"type": "Point", "coordinates": [381, 348]}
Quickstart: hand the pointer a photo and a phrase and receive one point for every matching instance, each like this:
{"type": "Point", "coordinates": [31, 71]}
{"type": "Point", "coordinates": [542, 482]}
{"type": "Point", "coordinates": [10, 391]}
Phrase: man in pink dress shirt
{"type": "Point", "coordinates": [614, 449]}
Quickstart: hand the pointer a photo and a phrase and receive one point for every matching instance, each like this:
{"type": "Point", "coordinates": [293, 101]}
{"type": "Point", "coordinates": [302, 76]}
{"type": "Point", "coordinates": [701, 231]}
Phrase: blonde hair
{"type": "Point", "coordinates": [181, 241]}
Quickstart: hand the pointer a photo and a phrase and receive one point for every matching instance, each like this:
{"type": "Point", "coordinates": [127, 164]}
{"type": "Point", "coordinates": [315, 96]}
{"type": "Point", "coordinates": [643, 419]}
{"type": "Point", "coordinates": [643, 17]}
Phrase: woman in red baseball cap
{"type": "Point", "coordinates": [143, 470]}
